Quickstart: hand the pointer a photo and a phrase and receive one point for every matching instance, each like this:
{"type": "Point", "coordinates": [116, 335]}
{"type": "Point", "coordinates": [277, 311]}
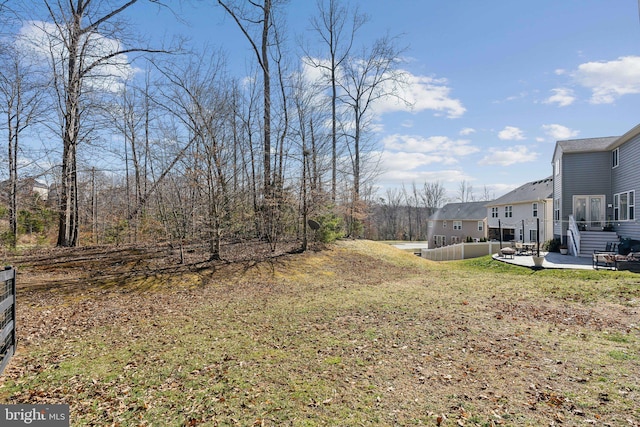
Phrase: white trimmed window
{"type": "Point", "coordinates": [444, 224]}
{"type": "Point", "coordinates": [615, 158]}
{"type": "Point", "coordinates": [494, 212]}
{"type": "Point", "coordinates": [556, 209]}
{"type": "Point", "coordinates": [439, 240]}
{"type": "Point", "coordinates": [508, 211]}
{"type": "Point", "coordinates": [535, 210]}
{"type": "Point", "coordinates": [457, 225]}
{"type": "Point", "coordinates": [480, 225]}
{"type": "Point", "coordinates": [624, 206]}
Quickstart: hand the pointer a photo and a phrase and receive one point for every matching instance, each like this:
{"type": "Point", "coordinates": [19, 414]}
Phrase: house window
{"type": "Point", "coordinates": [624, 206]}
{"type": "Point", "coordinates": [455, 239]}
{"type": "Point", "coordinates": [430, 224]}
{"type": "Point", "coordinates": [557, 167]}
{"type": "Point", "coordinates": [508, 211]}
{"type": "Point", "coordinates": [439, 240]}
{"type": "Point", "coordinates": [532, 235]}
{"type": "Point", "coordinates": [494, 212]}
{"type": "Point", "coordinates": [444, 224]}
{"type": "Point", "coordinates": [556, 209]}
{"type": "Point", "coordinates": [615, 157]}
{"type": "Point", "coordinates": [535, 210]}
{"type": "Point", "coordinates": [457, 225]}
{"type": "Point", "coordinates": [480, 225]}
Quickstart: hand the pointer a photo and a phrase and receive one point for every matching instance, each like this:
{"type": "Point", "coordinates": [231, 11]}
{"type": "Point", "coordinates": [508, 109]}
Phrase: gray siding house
{"type": "Point", "coordinates": [456, 222]}
{"type": "Point", "coordinates": [595, 183]}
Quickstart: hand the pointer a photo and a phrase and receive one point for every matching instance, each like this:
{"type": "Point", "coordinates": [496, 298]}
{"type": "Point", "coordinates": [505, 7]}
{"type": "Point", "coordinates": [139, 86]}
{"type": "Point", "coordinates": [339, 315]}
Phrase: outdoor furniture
{"type": "Point", "coordinates": [520, 248]}
{"type": "Point", "coordinates": [604, 259]}
{"type": "Point", "coordinates": [629, 262]}
{"type": "Point", "coordinates": [529, 247]}
{"type": "Point", "coordinates": [607, 258]}
{"type": "Point", "coordinates": [507, 252]}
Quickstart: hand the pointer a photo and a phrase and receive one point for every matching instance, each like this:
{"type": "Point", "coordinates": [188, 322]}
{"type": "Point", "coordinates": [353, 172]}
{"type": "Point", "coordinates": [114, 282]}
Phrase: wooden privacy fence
{"type": "Point", "coordinates": [7, 315]}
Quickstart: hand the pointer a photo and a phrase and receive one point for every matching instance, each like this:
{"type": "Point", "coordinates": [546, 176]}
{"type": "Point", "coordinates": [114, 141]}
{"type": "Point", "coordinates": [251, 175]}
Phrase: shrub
{"type": "Point", "coordinates": [30, 222]}
{"type": "Point", "coordinates": [330, 228]}
{"type": "Point", "coordinates": [552, 245]}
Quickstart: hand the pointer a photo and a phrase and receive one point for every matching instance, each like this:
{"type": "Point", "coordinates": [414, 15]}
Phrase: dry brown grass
{"type": "Point", "coordinates": [356, 334]}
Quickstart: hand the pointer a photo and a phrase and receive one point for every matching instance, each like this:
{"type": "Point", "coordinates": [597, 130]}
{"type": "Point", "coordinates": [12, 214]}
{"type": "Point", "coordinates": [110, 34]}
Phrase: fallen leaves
{"type": "Point", "coordinates": [293, 338]}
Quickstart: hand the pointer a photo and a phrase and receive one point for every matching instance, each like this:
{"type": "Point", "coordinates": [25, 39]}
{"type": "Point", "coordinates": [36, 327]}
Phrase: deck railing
{"type": "Point", "coordinates": [573, 237]}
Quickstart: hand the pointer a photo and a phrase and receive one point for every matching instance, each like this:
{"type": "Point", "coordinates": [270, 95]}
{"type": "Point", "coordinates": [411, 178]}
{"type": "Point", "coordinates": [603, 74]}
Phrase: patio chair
{"type": "Point", "coordinates": [606, 258]}
{"type": "Point", "coordinates": [519, 248]}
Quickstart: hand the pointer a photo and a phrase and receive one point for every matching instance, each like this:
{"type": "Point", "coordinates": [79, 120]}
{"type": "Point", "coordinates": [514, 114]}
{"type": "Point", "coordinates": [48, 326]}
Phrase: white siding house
{"type": "Point", "coordinates": [524, 214]}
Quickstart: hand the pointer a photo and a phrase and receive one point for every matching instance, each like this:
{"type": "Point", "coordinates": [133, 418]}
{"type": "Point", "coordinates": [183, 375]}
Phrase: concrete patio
{"type": "Point", "coordinates": [551, 260]}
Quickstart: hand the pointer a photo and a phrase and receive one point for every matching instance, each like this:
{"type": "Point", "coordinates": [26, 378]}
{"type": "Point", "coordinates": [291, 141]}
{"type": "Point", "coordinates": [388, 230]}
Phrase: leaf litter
{"type": "Point", "coordinates": [329, 337]}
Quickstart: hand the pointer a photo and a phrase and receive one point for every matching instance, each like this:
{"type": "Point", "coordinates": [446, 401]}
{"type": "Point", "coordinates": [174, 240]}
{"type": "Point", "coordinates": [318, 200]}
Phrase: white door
{"type": "Point", "coordinates": [589, 211]}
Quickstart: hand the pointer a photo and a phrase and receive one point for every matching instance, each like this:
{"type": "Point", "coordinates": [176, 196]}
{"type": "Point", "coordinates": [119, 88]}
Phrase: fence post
{"type": "Point", "coordinates": [8, 339]}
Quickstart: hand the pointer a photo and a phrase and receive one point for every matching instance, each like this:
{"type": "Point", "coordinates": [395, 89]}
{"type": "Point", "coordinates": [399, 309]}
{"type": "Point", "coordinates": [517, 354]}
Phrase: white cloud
{"type": "Point", "coordinates": [561, 96]}
{"type": "Point", "coordinates": [609, 80]}
{"type": "Point", "coordinates": [420, 93]}
{"type": "Point", "coordinates": [315, 75]}
{"type": "Point", "coordinates": [43, 39]}
{"type": "Point", "coordinates": [467, 131]}
{"type": "Point", "coordinates": [508, 157]}
{"type": "Point", "coordinates": [397, 173]}
{"type": "Point", "coordinates": [405, 161]}
{"type": "Point", "coordinates": [558, 132]}
{"type": "Point", "coordinates": [511, 133]}
{"type": "Point", "coordinates": [441, 146]}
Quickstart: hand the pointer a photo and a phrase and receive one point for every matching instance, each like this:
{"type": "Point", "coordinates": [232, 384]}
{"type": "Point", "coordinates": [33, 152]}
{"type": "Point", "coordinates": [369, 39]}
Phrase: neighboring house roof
{"type": "Point", "coordinates": [461, 211]}
{"type": "Point", "coordinates": [530, 192]}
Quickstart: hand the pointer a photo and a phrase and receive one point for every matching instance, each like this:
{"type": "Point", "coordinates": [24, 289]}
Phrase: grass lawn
{"type": "Point", "coordinates": [358, 334]}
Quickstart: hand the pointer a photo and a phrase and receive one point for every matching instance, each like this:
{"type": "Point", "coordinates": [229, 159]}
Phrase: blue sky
{"type": "Point", "coordinates": [494, 83]}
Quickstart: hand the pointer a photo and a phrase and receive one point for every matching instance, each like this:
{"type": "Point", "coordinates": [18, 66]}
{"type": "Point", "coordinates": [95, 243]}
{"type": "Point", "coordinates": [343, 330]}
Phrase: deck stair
{"type": "Point", "coordinates": [595, 241]}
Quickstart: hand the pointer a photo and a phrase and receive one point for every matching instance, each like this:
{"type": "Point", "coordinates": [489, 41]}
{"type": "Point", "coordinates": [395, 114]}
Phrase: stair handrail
{"type": "Point", "coordinates": [573, 236]}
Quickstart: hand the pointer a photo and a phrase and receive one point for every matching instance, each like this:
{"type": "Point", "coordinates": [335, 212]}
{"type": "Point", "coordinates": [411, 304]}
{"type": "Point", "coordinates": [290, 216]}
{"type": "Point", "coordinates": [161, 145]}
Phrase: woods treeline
{"type": "Point", "coordinates": [142, 142]}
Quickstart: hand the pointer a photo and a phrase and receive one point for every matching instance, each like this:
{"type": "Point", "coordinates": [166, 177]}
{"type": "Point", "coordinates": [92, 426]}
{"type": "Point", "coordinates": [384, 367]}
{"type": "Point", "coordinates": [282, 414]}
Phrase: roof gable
{"type": "Point", "coordinates": [585, 145]}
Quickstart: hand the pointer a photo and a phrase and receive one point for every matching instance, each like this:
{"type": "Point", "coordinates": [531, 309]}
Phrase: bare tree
{"type": "Point", "coordinates": [487, 194]}
{"type": "Point", "coordinates": [391, 213]}
{"type": "Point", "coordinates": [259, 14]}
{"type": "Point", "coordinates": [22, 90]}
{"type": "Point", "coordinates": [80, 59]}
{"type": "Point", "coordinates": [367, 78]}
{"type": "Point", "coordinates": [465, 192]}
{"type": "Point", "coordinates": [336, 25]}
{"type": "Point", "coordinates": [433, 196]}
{"type": "Point", "coordinates": [257, 22]}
